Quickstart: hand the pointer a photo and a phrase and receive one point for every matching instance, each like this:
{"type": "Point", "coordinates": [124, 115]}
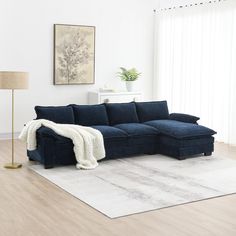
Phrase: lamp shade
{"type": "Point", "coordinates": [13, 80]}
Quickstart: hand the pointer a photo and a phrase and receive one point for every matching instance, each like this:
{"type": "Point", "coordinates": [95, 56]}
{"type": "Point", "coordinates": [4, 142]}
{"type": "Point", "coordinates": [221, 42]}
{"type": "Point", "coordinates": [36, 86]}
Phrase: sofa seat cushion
{"type": "Point", "coordinates": [58, 114]}
{"type": "Point", "coordinates": [180, 130]}
{"type": "Point", "coordinates": [110, 132]}
{"type": "Point", "coordinates": [120, 113]}
{"type": "Point", "coordinates": [89, 115]}
{"type": "Point", "coordinates": [147, 111]}
{"type": "Point", "coordinates": [137, 129]}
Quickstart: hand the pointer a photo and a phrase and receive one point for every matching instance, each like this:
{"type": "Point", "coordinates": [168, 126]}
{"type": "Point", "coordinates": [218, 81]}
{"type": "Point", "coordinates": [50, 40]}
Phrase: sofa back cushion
{"type": "Point", "coordinates": [120, 113]}
{"type": "Point", "coordinates": [89, 115]}
{"type": "Point", "coordinates": [152, 111]}
{"type": "Point", "coordinates": [58, 114]}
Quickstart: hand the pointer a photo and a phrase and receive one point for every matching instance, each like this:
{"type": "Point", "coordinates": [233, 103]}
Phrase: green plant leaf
{"type": "Point", "coordinates": [128, 75]}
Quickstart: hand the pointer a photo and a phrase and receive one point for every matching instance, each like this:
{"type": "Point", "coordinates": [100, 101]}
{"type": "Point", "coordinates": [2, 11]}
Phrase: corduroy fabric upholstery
{"type": "Point", "coordinates": [152, 110]}
{"type": "Point", "coordinates": [120, 113]}
{"type": "Point", "coordinates": [176, 135]}
{"type": "Point", "coordinates": [184, 118]}
{"type": "Point", "coordinates": [180, 130]}
{"type": "Point", "coordinates": [136, 129]}
{"type": "Point", "coordinates": [110, 132]}
{"type": "Point", "coordinates": [89, 115]}
{"type": "Point", "coordinates": [60, 114]}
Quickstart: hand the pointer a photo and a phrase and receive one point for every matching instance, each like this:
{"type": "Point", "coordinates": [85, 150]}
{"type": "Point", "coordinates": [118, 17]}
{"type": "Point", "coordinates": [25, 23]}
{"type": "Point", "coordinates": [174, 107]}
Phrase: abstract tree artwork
{"type": "Point", "coordinates": [74, 54]}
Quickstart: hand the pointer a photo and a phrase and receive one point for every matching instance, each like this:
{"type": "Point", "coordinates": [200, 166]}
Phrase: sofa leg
{"type": "Point", "coordinates": [31, 159]}
{"type": "Point", "coordinates": [207, 153]}
{"type": "Point", "coordinates": [149, 153]}
{"type": "Point", "coordinates": [48, 166]}
{"type": "Point", "coordinates": [181, 158]}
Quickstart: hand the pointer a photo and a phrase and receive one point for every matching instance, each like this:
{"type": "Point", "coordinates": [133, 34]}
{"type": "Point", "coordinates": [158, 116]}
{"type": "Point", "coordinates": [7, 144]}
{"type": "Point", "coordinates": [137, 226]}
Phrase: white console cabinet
{"type": "Point", "coordinates": [114, 97]}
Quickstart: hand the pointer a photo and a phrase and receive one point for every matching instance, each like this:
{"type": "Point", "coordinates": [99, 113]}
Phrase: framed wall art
{"type": "Point", "coordinates": [74, 54]}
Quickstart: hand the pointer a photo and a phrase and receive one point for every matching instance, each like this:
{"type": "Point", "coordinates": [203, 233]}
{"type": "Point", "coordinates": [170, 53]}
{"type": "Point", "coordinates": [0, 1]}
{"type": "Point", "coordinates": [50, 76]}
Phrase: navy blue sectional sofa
{"type": "Point", "coordinates": [128, 129]}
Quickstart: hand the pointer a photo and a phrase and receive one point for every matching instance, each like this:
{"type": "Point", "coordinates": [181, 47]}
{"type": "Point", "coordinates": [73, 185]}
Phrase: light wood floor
{"type": "Point", "coordinates": [30, 205]}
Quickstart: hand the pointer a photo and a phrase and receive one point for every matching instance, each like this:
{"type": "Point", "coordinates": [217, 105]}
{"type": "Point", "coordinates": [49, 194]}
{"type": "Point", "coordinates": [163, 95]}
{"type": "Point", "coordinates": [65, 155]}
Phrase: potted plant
{"type": "Point", "coordinates": [129, 76]}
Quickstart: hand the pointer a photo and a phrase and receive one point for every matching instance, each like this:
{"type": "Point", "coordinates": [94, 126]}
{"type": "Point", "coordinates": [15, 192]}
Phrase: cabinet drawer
{"type": "Point", "coordinates": [119, 99]}
{"type": "Point", "coordinates": [114, 97]}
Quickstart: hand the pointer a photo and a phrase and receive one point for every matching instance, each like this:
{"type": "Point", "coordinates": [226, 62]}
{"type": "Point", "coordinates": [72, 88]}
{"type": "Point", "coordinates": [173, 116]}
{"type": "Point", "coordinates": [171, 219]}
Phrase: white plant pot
{"type": "Point", "coordinates": [129, 86]}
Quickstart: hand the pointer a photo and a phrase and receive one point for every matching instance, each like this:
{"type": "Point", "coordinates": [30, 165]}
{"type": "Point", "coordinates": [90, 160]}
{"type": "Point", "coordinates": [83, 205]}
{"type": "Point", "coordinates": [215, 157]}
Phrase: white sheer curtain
{"type": "Point", "coordinates": [195, 64]}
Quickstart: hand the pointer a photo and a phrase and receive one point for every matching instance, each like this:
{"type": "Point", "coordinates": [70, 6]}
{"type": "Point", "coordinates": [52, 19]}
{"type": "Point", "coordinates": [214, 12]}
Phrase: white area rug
{"type": "Point", "coordinates": [132, 185]}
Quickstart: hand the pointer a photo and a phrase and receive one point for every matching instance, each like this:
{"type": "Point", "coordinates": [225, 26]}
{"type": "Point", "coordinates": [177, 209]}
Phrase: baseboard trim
{"type": "Point", "coordinates": [6, 136]}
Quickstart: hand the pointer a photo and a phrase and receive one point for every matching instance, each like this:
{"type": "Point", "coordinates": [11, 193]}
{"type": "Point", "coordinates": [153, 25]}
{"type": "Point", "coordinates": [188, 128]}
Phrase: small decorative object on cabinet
{"type": "Point", "coordinates": [116, 97]}
{"type": "Point", "coordinates": [129, 76]}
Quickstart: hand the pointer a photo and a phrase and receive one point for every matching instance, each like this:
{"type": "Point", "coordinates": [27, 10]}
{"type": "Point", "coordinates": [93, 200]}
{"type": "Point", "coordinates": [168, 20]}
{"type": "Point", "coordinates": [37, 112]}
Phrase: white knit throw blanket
{"type": "Point", "coordinates": [88, 142]}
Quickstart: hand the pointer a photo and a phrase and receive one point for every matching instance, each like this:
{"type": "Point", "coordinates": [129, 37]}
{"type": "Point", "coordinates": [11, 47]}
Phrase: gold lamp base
{"type": "Point", "coordinates": [13, 165]}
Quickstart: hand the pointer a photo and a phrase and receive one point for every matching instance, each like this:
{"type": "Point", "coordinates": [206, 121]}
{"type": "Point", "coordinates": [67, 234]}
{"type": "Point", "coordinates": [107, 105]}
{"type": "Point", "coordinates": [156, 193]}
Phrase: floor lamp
{"type": "Point", "coordinates": [13, 80]}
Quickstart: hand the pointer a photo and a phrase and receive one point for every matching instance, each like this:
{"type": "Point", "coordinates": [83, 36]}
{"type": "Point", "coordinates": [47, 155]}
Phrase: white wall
{"type": "Point", "coordinates": [124, 37]}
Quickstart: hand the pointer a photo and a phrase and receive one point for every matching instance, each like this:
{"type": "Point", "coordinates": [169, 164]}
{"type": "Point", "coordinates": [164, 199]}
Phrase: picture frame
{"type": "Point", "coordinates": [74, 54]}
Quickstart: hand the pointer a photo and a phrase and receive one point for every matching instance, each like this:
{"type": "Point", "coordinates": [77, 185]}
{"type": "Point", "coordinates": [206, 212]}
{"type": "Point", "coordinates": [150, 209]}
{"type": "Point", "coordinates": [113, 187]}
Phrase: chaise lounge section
{"type": "Point", "coordinates": [128, 129]}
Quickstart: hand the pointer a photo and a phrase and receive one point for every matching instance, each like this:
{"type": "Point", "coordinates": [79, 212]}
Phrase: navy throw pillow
{"type": "Point", "coordinates": [184, 118]}
{"type": "Point", "coordinates": [89, 115]}
{"type": "Point", "coordinates": [152, 110]}
{"type": "Point", "coordinates": [58, 114]}
{"type": "Point", "coordinates": [120, 113]}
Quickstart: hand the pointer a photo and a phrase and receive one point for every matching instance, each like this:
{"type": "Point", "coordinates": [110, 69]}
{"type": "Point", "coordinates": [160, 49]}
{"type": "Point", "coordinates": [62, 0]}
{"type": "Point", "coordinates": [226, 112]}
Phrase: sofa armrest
{"type": "Point", "coordinates": [46, 139]}
{"type": "Point", "coordinates": [184, 118]}
{"type": "Point", "coordinates": [47, 132]}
